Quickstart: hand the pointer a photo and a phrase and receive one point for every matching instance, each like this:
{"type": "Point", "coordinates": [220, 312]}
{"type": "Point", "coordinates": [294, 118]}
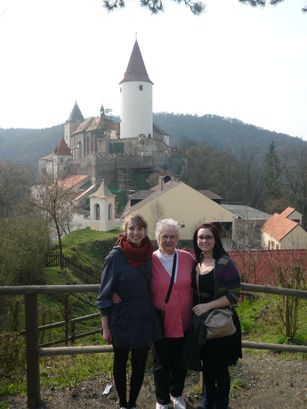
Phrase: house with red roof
{"type": "Point", "coordinates": [284, 231]}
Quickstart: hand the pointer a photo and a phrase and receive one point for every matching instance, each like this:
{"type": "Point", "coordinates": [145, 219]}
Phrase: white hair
{"type": "Point", "coordinates": [164, 224]}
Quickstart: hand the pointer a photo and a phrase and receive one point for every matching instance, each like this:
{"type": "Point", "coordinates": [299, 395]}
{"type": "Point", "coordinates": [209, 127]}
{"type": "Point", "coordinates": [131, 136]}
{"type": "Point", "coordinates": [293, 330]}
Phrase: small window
{"type": "Point", "coordinates": [97, 212]}
{"type": "Point", "coordinates": [140, 87]}
{"type": "Point", "coordinates": [110, 212]}
{"type": "Point", "coordinates": [120, 89]}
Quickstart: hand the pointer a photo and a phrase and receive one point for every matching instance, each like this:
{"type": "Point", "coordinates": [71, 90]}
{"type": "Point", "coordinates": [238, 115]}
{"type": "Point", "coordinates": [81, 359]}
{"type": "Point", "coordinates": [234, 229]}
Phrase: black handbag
{"type": "Point", "coordinates": [160, 312]}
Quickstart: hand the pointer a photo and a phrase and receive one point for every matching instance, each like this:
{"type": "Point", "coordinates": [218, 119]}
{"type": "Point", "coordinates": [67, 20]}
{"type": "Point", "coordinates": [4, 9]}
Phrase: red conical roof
{"type": "Point", "coordinates": [62, 149]}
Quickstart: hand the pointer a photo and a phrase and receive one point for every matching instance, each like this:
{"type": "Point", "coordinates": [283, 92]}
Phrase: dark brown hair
{"type": "Point", "coordinates": [218, 249]}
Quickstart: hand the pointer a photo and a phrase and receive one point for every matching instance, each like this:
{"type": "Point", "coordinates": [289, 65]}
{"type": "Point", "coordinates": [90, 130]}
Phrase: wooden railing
{"type": "Point", "coordinates": [34, 351]}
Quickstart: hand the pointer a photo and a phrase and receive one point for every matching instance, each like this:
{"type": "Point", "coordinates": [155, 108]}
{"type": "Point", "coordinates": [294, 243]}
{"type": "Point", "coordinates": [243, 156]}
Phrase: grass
{"type": "Point", "coordinates": [89, 247]}
{"type": "Point", "coordinates": [83, 236]}
{"type": "Point", "coordinates": [261, 321]}
{"type": "Point", "coordinates": [71, 370]}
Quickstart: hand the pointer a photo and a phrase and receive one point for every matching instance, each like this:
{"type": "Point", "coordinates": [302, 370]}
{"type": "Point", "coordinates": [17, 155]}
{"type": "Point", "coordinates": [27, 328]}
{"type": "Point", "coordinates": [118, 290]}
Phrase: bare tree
{"type": "Point", "coordinates": [55, 202]}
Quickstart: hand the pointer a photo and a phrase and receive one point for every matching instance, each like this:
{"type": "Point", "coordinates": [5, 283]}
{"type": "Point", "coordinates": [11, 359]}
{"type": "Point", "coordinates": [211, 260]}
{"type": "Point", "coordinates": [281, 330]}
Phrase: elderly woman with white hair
{"type": "Point", "coordinates": [171, 292]}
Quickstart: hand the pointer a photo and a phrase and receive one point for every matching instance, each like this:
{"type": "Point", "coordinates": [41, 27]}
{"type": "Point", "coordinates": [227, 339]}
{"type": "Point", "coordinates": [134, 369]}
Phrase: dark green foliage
{"type": "Point", "coordinates": [15, 183]}
{"type": "Point", "coordinates": [294, 166]}
{"type": "Point", "coordinates": [24, 242]}
{"type": "Point", "coordinates": [272, 179]}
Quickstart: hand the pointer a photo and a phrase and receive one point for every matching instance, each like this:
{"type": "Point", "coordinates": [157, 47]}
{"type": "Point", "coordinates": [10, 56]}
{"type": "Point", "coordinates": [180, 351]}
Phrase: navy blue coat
{"type": "Point", "coordinates": [133, 322]}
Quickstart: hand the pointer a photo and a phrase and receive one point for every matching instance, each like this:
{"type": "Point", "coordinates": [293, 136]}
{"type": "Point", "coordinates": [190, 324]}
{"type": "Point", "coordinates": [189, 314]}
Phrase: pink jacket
{"type": "Point", "coordinates": [178, 310]}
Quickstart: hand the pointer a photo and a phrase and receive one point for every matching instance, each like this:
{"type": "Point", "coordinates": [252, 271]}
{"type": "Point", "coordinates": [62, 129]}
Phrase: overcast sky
{"type": "Point", "coordinates": [233, 60]}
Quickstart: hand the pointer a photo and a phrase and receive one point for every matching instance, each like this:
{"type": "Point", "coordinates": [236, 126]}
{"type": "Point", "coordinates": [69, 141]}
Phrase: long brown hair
{"type": "Point", "coordinates": [218, 249]}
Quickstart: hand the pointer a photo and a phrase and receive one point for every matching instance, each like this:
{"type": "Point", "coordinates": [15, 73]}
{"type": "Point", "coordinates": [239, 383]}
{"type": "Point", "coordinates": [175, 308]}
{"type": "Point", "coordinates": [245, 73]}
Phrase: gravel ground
{"type": "Point", "coordinates": [259, 381]}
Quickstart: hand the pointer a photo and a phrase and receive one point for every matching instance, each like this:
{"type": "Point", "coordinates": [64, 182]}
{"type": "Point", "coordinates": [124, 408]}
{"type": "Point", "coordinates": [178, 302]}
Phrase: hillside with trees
{"type": "Point", "coordinates": [26, 146]}
{"type": "Point", "coordinates": [222, 133]}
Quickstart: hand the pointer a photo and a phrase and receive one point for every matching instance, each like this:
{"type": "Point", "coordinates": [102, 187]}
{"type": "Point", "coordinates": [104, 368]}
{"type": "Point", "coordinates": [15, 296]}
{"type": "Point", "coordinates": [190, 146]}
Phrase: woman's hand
{"type": "Point", "coordinates": [116, 298]}
{"type": "Point", "coordinates": [105, 329]}
{"type": "Point", "coordinates": [199, 309]}
{"type": "Point", "coordinates": [106, 335]}
{"type": "Point", "coordinates": [218, 303]}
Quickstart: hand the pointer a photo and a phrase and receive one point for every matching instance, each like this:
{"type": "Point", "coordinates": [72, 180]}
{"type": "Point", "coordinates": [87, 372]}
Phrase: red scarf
{"type": "Point", "coordinates": [136, 255]}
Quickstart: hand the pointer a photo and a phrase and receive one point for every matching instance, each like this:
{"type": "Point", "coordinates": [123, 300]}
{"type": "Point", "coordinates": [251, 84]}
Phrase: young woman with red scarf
{"type": "Point", "coordinates": [130, 325]}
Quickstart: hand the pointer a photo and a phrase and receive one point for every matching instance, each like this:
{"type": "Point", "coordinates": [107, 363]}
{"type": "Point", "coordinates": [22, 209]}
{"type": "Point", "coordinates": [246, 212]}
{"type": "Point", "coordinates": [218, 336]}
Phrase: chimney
{"type": "Point", "coordinates": [161, 183]}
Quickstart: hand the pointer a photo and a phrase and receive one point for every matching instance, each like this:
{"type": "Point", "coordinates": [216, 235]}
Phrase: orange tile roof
{"type": "Point", "coordinates": [71, 181]}
{"type": "Point", "coordinates": [278, 226]}
{"type": "Point", "coordinates": [286, 213]}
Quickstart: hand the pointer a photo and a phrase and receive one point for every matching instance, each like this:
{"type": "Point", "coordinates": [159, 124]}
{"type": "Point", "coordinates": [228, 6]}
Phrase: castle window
{"type": "Point", "coordinates": [97, 212]}
{"type": "Point", "coordinates": [140, 87]}
{"type": "Point", "coordinates": [116, 148]}
{"type": "Point", "coordinates": [110, 212]}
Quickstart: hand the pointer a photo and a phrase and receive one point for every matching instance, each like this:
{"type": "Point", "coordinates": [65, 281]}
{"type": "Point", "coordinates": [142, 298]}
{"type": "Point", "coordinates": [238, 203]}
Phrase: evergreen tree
{"type": "Point", "coordinates": [272, 173]}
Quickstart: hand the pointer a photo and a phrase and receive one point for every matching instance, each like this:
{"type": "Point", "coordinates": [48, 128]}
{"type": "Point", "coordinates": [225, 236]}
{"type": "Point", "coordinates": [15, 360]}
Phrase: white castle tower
{"type": "Point", "coordinates": [136, 98]}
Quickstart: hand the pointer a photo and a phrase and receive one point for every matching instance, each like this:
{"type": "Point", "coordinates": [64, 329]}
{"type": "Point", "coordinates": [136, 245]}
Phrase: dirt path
{"type": "Point", "coordinates": [262, 381]}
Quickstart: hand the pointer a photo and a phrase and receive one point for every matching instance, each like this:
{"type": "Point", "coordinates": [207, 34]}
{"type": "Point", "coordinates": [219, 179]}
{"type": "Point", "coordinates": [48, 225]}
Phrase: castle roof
{"type": "Point", "coordinates": [136, 70]}
{"type": "Point", "coordinates": [94, 123]}
{"type": "Point", "coordinates": [62, 149]}
{"type": "Point", "coordinates": [157, 129]}
{"type": "Point", "coordinates": [76, 115]}
{"type": "Point", "coordinates": [90, 124]}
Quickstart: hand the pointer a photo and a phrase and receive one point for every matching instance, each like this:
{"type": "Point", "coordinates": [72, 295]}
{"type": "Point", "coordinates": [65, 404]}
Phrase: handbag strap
{"type": "Point", "coordinates": [168, 294]}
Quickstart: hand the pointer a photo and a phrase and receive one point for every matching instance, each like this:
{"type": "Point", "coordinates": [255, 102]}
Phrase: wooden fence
{"type": "Point", "coordinates": [34, 351]}
{"type": "Point", "coordinates": [85, 274]}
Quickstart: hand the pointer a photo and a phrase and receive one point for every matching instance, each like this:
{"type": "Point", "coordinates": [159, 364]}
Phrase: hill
{"type": "Point", "coordinates": [222, 133]}
{"type": "Point", "coordinates": [26, 146]}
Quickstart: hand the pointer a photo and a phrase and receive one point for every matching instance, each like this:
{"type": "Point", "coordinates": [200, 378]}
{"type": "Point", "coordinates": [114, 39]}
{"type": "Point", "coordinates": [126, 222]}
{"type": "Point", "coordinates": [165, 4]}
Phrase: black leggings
{"type": "Point", "coordinates": [138, 363]}
{"type": "Point", "coordinates": [216, 378]}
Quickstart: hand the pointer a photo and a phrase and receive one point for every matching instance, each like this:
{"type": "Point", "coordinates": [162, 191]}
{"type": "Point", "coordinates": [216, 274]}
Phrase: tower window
{"type": "Point", "coordinates": [140, 87]}
{"type": "Point", "coordinates": [120, 90]}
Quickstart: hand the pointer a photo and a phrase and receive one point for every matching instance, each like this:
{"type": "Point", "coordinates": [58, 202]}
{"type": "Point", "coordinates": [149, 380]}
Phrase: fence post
{"type": "Point", "coordinates": [32, 345]}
